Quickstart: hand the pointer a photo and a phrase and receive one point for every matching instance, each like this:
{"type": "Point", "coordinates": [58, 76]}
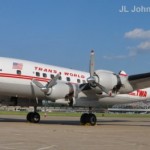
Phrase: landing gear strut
{"type": "Point", "coordinates": [88, 118]}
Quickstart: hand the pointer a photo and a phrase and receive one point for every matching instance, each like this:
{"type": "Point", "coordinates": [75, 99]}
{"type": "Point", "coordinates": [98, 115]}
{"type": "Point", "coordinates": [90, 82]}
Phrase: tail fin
{"type": "Point", "coordinates": [123, 73]}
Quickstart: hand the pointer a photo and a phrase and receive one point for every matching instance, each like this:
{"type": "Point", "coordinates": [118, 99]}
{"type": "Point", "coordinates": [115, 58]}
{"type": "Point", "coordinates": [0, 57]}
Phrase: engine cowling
{"type": "Point", "coordinates": [112, 82]}
{"type": "Point", "coordinates": [62, 90]}
{"type": "Point", "coordinates": [106, 78]}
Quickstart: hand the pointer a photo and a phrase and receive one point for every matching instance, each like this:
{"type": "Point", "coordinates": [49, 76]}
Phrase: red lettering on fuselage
{"type": "Point", "coordinates": [140, 93]}
{"type": "Point", "coordinates": [74, 75]}
{"type": "Point", "coordinates": [48, 70]}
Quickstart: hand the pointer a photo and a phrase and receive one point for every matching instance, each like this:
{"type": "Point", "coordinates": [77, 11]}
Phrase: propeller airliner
{"type": "Point", "coordinates": [34, 82]}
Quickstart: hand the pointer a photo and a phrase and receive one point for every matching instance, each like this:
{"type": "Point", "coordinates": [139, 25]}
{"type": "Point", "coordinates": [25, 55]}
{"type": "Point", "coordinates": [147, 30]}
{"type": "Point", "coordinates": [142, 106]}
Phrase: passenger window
{"type": "Point", "coordinates": [44, 75]}
{"type": "Point", "coordinates": [19, 72]}
{"type": "Point", "coordinates": [67, 78]}
{"type": "Point", "coordinates": [37, 74]}
{"type": "Point", "coordinates": [60, 78]}
{"type": "Point", "coordinates": [78, 81]}
{"type": "Point", "coordinates": [83, 81]}
{"type": "Point", "coordinates": [51, 76]}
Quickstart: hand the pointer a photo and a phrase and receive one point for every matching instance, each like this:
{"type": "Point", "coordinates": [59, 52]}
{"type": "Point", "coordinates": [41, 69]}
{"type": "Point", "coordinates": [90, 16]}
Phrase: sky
{"type": "Point", "coordinates": [63, 32]}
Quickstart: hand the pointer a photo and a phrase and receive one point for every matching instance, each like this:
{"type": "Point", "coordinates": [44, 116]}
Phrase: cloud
{"type": "Point", "coordinates": [142, 47]}
{"type": "Point", "coordinates": [138, 34]}
{"type": "Point", "coordinates": [115, 57]}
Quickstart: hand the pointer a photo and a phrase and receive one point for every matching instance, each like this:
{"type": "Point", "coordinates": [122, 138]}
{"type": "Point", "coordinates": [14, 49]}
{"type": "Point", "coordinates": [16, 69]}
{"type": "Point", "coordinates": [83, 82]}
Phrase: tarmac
{"type": "Point", "coordinates": [66, 133]}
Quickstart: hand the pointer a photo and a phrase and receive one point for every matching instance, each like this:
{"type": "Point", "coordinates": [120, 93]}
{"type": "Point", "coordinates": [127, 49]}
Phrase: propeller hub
{"type": "Point", "coordinates": [92, 81]}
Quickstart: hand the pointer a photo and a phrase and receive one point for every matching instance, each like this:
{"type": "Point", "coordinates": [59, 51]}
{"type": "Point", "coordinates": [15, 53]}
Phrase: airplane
{"type": "Point", "coordinates": [32, 82]}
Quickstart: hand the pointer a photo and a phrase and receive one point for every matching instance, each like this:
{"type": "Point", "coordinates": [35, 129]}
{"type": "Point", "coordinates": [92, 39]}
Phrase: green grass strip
{"type": "Point", "coordinates": [76, 114]}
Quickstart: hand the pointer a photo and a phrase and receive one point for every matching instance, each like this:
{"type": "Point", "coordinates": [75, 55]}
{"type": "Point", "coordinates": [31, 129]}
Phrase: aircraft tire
{"type": "Point", "coordinates": [84, 118]}
{"type": "Point", "coordinates": [92, 119]}
{"type": "Point", "coordinates": [33, 117]}
{"type": "Point", "coordinates": [29, 116]}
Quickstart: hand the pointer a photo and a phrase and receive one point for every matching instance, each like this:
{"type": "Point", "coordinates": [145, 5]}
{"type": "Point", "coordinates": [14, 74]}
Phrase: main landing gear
{"type": "Point", "coordinates": [88, 118]}
{"type": "Point", "coordinates": [33, 117]}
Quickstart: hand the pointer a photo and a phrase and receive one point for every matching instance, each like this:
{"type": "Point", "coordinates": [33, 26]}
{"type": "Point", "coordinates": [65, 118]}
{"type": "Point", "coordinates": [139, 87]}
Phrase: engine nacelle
{"type": "Point", "coordinates": [106, 78]}
{"type": "Point", "coordinates": [113, 82]}
{"type": "Point", "coordinates": [62, 91]}
{"type": "Point", "coordinates": [126, 86]}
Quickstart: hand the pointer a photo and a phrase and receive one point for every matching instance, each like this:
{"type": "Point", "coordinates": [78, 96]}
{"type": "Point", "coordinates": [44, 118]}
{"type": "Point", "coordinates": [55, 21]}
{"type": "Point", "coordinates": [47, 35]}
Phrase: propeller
{"type": "Point", "coordinates": [92, 64]}
{"type": "Point", "coordinates": [92, 79]}
{"type": "Point", "coordinates": [53, 81]}
{"type": "Point", "coordinates": [49, 84]}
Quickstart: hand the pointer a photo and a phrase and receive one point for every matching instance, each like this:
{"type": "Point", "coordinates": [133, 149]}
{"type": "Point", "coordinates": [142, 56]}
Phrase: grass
{"type": "Point", "coordinates": [76, 114]}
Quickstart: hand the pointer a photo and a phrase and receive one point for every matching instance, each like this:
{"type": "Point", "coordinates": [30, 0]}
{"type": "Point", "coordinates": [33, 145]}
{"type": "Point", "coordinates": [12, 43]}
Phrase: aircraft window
{"type": "Point", "coordinates": [44, 75]}
{"type": "Point", "coordinates": [84, 81]}
{"type": "Point", "coordinates": [67, 78]}
{"type": "Point", "coordinates": [78, 81]}
{"type": "Point", "coordinates": [19, 72]}
{"type": "Point", "coordinates": [51, 76]}
{"type": "Point", "coordinates": [60, 78]}
{"type": "Point", "coordinates": [37, 74]}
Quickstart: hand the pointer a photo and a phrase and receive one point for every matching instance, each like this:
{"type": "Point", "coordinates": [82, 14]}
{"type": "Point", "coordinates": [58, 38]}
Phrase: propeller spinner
{"type": "Point", "coordinates": [49, 84]}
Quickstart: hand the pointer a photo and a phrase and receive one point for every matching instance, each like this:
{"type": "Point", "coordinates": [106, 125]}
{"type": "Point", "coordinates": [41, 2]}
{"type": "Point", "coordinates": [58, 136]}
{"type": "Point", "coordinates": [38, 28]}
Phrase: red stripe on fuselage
{"type": "Point", "coordinates": [23, 77]}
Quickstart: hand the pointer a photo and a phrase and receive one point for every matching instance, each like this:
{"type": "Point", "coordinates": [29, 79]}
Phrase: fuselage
{"type": "Point", "coordinates": [16, 77]}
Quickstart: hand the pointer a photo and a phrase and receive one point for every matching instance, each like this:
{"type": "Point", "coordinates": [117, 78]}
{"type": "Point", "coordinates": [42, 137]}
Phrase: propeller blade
{"type": "Point", "coordinates": [92, 64]}
{"type": "Point", "coordinates": [103, 89]}
{"type": "Point", "coordinates": [53, 81]}
{"type": "Point", "coordinates": [91, 80]}
{"type": "Point", "coordinates": [37, 83]}
{"type": "Point", "coordinates": [82, 86]}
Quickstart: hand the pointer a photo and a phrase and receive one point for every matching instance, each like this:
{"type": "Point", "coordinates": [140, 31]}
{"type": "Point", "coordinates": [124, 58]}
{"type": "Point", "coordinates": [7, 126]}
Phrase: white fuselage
{"type": "Point", "coordinates": [16, 81]}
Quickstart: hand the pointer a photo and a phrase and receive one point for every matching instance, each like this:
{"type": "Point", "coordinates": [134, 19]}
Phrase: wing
{"type": "Point", "coordinates": [90, 92]}
{"type": "Point", "coordinates": [140, 81]}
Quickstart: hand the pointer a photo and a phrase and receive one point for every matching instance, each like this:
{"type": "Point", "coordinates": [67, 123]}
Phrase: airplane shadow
{"type": "Point", "coordinates": [46, 122]}
{"type": "Point", "coordinates": [100, 122]}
